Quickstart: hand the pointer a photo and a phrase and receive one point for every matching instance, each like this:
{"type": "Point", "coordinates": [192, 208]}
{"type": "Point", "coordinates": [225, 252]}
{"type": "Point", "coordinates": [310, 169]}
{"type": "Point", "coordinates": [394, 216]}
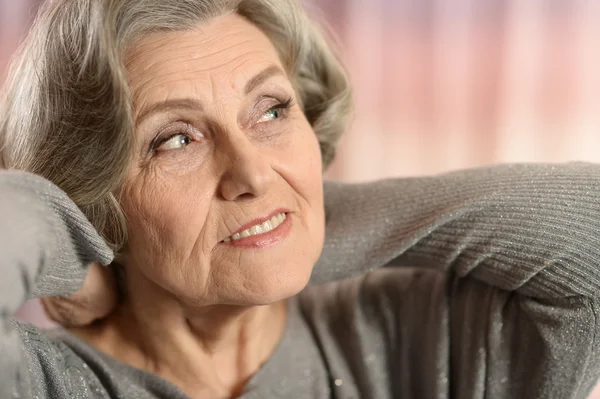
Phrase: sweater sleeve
{"type": "Point", "coordinates": [530, 228]}
{"type": "Point", "coordinates": [46, 246]}
{"type": "Point", "coordinates": [496, 293]}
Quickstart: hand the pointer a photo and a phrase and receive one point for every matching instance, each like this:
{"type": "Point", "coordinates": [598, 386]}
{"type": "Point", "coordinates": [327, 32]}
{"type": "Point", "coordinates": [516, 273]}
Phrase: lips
{"type": "Point", "coordinates": [259, 226]}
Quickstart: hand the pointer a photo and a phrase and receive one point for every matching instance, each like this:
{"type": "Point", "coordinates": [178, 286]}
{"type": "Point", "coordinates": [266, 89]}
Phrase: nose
{"type": "Point", "coordinates": [249, 173]}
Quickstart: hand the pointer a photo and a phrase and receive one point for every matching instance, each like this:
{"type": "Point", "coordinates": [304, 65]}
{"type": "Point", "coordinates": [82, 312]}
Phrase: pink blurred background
{"type": "Point", "coordinates": [447, 84]}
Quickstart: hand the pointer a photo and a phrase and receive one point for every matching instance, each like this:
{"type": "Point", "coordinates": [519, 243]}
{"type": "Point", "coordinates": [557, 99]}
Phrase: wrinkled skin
{"type": "Point", "coordinates": [241, 162]}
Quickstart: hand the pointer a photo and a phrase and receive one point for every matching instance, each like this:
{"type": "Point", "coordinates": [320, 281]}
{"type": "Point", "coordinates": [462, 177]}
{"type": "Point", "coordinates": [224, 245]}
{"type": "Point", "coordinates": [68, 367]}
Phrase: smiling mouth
{"type": "Point", "coordinates": [260, 228]}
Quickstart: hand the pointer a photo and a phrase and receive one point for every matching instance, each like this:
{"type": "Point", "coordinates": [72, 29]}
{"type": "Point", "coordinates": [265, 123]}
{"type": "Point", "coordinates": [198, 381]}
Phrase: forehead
{"type": "Point", "coordinates": [226, 51]}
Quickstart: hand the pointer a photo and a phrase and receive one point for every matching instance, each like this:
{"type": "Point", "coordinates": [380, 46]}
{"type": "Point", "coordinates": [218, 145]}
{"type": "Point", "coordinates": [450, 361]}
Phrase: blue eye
{"type": "Point", "coordinates": [276, 112]}
{"type": "Point", "coordinates": [174, 142]}
{"type": "Point", "coordinates": [273, 113]}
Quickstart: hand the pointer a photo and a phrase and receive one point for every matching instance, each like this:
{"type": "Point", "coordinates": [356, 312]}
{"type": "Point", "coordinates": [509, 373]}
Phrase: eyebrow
{"type": "Point", "coordinates": [196, 105]}
{"type": "Point", "coordinates": [262, 76]}
{"type": "Point", "coordinates": [184, 103]}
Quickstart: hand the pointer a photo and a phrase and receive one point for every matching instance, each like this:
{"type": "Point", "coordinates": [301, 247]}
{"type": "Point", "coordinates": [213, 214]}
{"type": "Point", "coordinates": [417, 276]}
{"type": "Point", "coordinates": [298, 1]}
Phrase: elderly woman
{"type": "Point", "coordinates": [182, 143]}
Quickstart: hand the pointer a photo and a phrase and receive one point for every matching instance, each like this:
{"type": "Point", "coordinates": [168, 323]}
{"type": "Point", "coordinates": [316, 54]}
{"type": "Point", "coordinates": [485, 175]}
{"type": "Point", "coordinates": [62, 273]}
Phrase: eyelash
{"type": "Point", "coordinates": [283, 105]}
{"type": "Point", "coordinates": [158, 141]}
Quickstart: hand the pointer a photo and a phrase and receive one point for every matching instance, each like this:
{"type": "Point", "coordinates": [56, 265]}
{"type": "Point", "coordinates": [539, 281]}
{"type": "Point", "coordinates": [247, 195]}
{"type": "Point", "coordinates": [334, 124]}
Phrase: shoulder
{"type": "Point", "coordinates": [56, 369]}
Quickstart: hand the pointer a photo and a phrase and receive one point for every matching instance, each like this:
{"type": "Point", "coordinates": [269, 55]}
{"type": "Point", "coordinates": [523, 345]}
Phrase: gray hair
{"type": "Point", "coordinates": [66, 111]}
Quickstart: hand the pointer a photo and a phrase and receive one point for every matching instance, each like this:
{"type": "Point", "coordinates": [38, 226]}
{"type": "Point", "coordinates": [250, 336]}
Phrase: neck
{"type": "Point", "coordinates": [208, 351]}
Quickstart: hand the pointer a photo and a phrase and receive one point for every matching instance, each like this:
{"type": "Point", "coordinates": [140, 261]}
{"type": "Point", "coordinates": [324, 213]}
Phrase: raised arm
{"type": "Point", "coordinates": [531, 228]}
{"type": "Point", "coordinates": [46, 247]}
{"type": "Point", "coordinates": [512, 312]}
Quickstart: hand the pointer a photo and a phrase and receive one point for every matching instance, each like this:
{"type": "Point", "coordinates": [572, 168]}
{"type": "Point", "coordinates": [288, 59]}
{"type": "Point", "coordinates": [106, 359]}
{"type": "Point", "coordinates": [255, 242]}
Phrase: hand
{"type": "Point", "coordinates": [96, 299]}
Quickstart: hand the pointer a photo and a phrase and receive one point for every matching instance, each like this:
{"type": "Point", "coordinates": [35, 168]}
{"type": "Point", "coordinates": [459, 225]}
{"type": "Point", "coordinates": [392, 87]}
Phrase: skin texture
{"type": "Point", "coordinates": [202, 313]}
{"type": "Point", "coordinates": [96, 299]}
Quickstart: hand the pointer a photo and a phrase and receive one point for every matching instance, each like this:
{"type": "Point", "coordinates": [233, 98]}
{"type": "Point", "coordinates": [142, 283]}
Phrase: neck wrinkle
{"type": "Point", "coordinates": [212, 350]}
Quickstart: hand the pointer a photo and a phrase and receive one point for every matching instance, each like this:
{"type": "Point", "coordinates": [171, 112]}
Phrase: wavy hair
{"type": "Point", "coordinates": [66, 112]}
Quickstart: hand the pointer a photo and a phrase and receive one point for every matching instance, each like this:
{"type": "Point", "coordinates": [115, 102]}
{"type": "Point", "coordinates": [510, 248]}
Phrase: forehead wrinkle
{"type": "Point", "coordinates": [151, 87]}
{"type": "Point", "coordinates": [164, 60]}
{"type": "Point", "coordinates": [143, 67]}
{"type": "Point", "coordinates": [189, 40]}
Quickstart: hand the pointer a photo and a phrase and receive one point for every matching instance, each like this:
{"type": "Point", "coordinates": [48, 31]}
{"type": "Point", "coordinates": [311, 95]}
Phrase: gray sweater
{"type": "Point", "coordinates": [491, 291]}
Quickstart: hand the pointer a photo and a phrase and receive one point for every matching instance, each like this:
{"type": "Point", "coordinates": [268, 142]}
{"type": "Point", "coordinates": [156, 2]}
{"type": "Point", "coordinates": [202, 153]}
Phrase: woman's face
{"type": "Point", "coordinates": [221, 145]}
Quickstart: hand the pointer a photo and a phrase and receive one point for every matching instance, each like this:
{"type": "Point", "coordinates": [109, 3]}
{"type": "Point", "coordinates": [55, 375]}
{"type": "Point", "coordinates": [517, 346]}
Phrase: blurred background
{"type": "Point", "coordinates": [447, 84]}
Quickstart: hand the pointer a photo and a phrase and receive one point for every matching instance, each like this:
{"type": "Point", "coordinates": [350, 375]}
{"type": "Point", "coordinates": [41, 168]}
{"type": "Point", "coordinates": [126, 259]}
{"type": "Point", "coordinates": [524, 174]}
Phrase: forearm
{"type": "Point", "coordinates": [46, 246]}
{"type": "Point", "coordinates": [534, 228]}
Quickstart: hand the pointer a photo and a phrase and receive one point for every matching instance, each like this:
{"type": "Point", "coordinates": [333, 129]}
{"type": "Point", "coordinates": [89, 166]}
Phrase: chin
{"type": "Point", "coordinates": [249, 276]}
{"type": "Point", "coordinates": [276, 287]}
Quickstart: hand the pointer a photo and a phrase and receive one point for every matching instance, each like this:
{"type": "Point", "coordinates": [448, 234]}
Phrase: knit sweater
{"type": "Point", "coordinates": [474, 284]}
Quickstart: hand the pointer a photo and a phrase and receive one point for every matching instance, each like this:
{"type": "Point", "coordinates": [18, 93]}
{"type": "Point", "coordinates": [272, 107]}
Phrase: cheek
{"type": "Point", "coordinates": [314, 183]}
{"type": "Point", "coordinates": [166, 216]}
{"type": "Point", "coordinates": [301, 167]}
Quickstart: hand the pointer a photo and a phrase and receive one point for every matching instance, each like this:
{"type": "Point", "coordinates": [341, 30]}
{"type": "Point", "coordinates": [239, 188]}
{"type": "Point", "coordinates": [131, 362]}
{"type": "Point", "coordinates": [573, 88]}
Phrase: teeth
{"type": "Point", "coordinates": [264, 227]}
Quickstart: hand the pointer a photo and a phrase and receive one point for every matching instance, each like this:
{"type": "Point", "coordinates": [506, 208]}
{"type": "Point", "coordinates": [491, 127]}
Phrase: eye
{"type": "Point", "coordinates": [174, 142]}
{"type": "Point", "coordinates": [275, 112]}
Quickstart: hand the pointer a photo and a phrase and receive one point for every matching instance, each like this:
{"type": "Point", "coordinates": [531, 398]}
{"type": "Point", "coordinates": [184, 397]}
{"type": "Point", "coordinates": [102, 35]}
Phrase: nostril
{"type": "Point", "coordinates": [246, 196]}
